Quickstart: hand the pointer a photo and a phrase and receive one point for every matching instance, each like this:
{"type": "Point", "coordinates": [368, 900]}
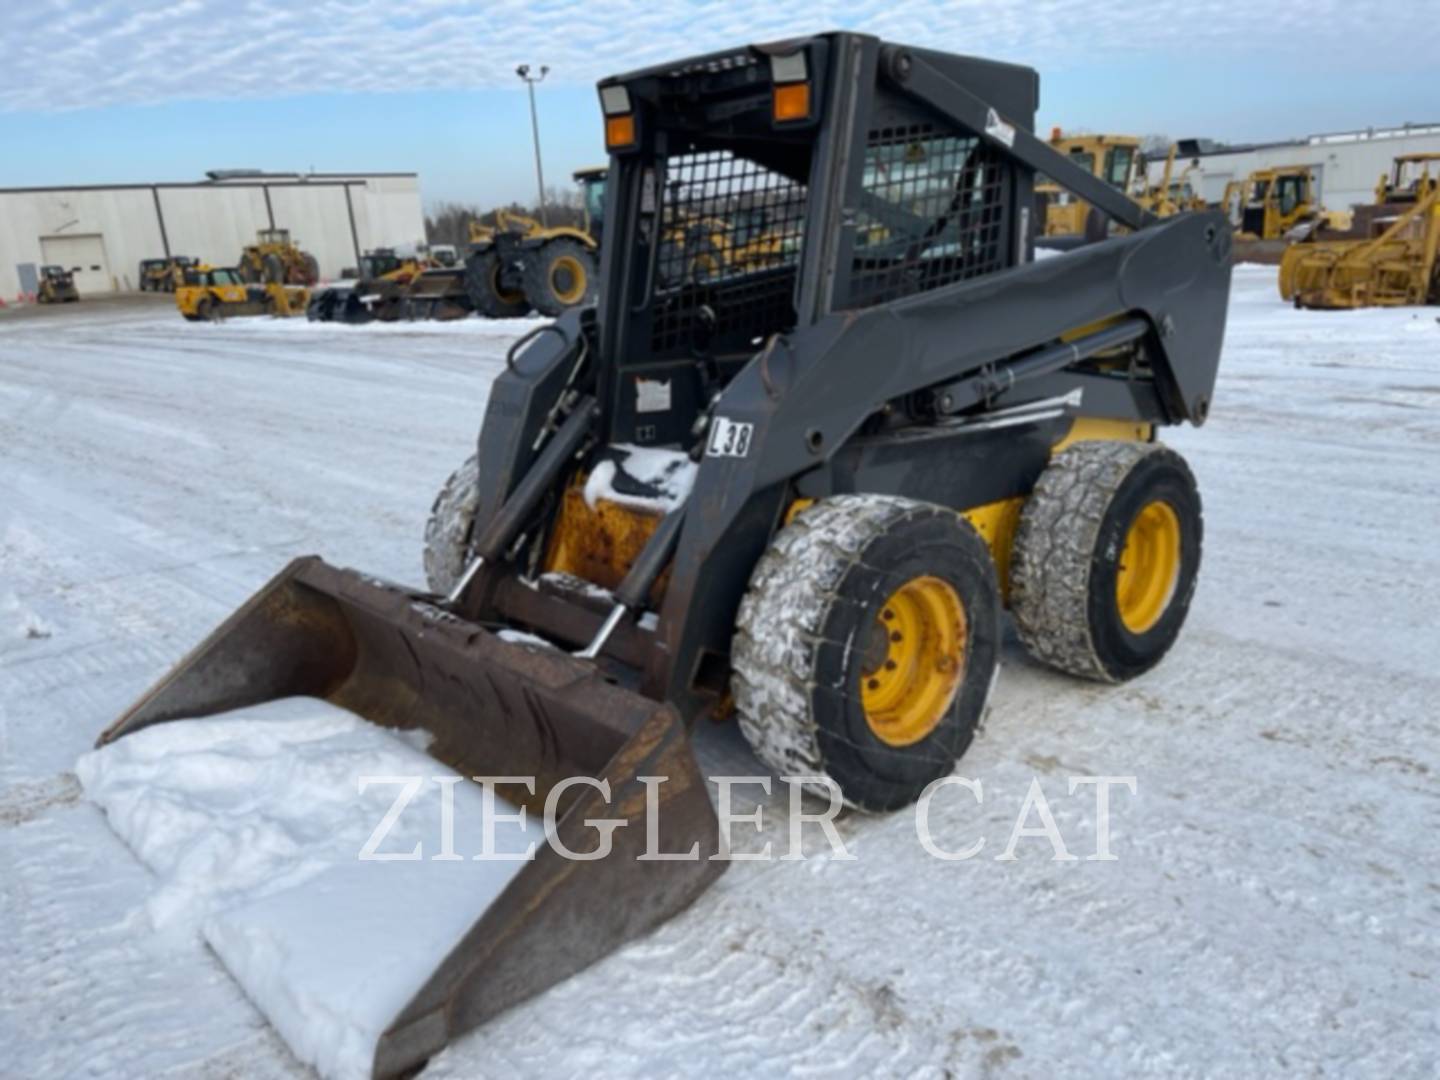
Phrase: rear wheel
{"type": "Point", "coordinates": [866, 646]}
{"type": "Point", "coordinates": [1105, 559]}
{"type": "Point", "coordinates": [205, 310]}
{"type": "Point", "coordinates": [484, 281]}
{"type": "Point", "coordinates": [560, 275]}
{"type": "Point", "coordinates": [312, 269]}
{"type": "Point", "coordinates": [274, 270]}
{"type": "Point", "coordinates": [452, 521]}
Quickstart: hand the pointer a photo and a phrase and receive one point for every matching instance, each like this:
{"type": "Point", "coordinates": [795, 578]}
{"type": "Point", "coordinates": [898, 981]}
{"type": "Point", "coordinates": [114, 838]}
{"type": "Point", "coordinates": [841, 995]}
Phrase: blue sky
{"type": "Point", "coordinates": [134, 90]}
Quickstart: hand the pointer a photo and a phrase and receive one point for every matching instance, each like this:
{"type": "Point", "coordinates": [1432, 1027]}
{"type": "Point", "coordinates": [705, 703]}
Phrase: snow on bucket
{"type": "Point", "coordinates": [247, 807]}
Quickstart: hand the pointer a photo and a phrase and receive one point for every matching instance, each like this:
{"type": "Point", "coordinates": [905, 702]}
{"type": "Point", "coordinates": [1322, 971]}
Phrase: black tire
{"type": "Point", "coordinates": [319, 308]}
{"type": "Point", "coordinates": [1067, 559]}
{"type": "Point", "coordinates": [449, 528]}
{"type": "Point", "coordinates": [561, 274]}
{"type": "Point", "coordinates": [827, 583]}
{"type": "Point", "coordinates": [273, 270]}
{"type": "Point", "coordinates": [204, 310]}
{"type": "Point", "coordinates": [482, 276]}
{"type": "Point", "coordinates": [312, 269]}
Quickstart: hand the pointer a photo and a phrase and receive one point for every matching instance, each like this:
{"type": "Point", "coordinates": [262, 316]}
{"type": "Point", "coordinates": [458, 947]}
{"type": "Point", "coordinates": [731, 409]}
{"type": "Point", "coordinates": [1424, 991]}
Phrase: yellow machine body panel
{"type": "Point", "coordinates": [1112, 158]}
{"type": "Point", "coordinates": [1398, 267]}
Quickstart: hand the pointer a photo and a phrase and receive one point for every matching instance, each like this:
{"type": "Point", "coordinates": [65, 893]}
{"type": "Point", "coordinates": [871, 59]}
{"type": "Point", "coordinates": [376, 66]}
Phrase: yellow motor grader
{"type": "Point", "coordinates": [1067, 219]}
{"type": "Point", "coordinates": [1172, 194]}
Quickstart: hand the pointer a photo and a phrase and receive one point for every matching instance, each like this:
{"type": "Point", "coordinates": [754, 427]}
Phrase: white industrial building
{"type": "Point", "coordinates": [1345, 165]}
{"type": "Point", "coordinates": [106, 230]}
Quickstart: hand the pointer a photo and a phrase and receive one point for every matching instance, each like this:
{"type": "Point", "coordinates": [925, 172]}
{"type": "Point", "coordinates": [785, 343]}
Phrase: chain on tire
{"type": "Point", "coordinates": [866, 646]}
{"type": "Point", "coordinates": [1105, 559]}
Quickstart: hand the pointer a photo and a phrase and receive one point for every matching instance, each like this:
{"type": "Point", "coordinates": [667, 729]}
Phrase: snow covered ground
{"type": "Point", "coordinates": [1274, 909]}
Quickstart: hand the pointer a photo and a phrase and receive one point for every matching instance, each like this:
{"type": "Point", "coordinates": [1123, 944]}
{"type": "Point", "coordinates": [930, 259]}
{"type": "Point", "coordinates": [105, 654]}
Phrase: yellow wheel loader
{"type": "Point", "coordinates": [275, 259]}
{"type": "Point", "coordinates": [210, 293]}
{"type": "Point", "coordinates": [518, 265]}
{"type": "Point", "coordinates": [801, 494]}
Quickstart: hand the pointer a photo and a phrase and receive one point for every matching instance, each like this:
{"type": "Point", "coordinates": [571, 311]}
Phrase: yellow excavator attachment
{"type": "Point", "coordinates": [1395, 268]}
{"type": "Point", "coordinates": [493, 707]}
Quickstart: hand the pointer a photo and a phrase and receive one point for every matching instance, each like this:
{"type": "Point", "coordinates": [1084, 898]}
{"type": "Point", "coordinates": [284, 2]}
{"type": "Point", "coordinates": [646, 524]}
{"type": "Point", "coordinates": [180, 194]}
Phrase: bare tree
{"type": "Point", "coordinates": [449, 222]}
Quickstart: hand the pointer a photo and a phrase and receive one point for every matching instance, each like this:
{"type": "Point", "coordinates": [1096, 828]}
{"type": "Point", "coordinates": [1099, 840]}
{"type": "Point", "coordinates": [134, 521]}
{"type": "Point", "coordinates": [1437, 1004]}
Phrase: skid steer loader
{"type": "Point", "coordinates": [57, 286]}
{"type": "Point", "coordinates": [799, 493]}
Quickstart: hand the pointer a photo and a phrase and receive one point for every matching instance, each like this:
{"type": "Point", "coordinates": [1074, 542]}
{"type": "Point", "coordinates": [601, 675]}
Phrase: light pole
{"type": "Point", "coordinates": [530, 80]}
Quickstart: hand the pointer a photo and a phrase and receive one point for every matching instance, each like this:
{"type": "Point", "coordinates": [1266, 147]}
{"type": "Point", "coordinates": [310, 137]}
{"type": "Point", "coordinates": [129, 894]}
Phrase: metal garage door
{"type": "Point", "coordinates": [84, 254]}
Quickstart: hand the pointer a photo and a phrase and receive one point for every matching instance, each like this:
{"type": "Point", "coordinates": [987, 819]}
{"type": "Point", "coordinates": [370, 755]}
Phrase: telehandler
{"type": "Point", "coordinates": [217, 292]}
{"type": "Point", "coordinates": [797, 492]}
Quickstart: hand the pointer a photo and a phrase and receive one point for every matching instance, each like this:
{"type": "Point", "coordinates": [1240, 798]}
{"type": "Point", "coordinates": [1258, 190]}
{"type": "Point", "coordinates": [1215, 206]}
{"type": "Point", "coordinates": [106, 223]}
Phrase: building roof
{"type": "Point", "coordinates": [1199, 147]}
{"type": "Point", "coordinates": [229, 178]}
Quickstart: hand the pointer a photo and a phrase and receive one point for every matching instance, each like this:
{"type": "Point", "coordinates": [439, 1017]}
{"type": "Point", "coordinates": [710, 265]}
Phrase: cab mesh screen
{"type": "Point", "coordinates": [932, 212]}
{"type": "Point", "coordinates": [730, 232]}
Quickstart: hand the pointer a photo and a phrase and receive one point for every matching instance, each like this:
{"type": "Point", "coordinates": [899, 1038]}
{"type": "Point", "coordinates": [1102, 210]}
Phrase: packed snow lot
{"type": "Point", "coordinates": [1275, 905]}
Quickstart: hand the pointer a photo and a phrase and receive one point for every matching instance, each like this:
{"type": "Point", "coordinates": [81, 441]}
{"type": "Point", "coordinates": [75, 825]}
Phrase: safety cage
{"type": "Point", "coordinates": [722, 219]}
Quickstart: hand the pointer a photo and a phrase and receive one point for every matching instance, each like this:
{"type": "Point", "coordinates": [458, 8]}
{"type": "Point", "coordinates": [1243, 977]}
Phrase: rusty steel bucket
{"type": "Point", "coordinates": [493, 708]}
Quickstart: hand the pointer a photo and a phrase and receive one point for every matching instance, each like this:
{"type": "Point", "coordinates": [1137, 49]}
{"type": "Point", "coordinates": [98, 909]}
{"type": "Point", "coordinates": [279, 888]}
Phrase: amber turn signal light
{"type": "Point", "coordinates": [619, 131]}
{"type": "Point", "coordinates": [792, 101]}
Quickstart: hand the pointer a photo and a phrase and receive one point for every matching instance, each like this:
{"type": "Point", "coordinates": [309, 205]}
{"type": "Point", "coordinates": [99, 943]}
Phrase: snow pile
{"type": "Point", "coordinates": [254, 823]}
{"type": "Point", "coordinates": [646, 478]}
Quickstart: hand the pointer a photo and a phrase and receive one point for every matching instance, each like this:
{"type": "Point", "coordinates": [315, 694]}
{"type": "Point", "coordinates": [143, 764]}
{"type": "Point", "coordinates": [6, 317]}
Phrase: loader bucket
{"type": "Point", "coordinates": [493, 708]}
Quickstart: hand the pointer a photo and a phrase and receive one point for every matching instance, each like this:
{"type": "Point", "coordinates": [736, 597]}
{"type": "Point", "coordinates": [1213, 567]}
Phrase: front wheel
{"type": "Point", "coordinates": [560, 275]}
{"type": "Point", "coordinates": [1106, 558]}
{"type": "Point", "coordinates": [866, 646]}
{"type": "Point", "coordinates": [485, 283]}
{"type": "Point", "coordinates": [448, 531]}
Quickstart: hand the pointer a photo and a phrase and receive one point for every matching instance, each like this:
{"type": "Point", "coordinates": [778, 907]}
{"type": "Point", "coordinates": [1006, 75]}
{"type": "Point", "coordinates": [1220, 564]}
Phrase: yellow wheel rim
{"type": "Point", "coordinates": [569, 269]}
{"type": "Point", "coordinates": [1149, 566]}
{"type": "Point", "coordinates": [907, 687]}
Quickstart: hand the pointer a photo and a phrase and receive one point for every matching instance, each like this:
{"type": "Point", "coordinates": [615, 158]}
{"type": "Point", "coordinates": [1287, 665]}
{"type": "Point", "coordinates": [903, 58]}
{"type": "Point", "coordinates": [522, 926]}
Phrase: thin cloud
{"type": "Point", "coordinates": [69, 54]}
